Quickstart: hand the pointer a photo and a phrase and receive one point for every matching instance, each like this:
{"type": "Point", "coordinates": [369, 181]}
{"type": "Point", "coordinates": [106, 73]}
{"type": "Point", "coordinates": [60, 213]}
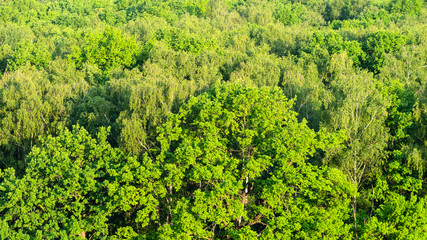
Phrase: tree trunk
{"type": "Point", "coordinates": [354, 214]}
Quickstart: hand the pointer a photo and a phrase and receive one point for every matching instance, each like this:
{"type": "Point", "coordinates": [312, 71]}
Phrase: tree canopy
{"type": "Point", "coordinates": [229, 119]}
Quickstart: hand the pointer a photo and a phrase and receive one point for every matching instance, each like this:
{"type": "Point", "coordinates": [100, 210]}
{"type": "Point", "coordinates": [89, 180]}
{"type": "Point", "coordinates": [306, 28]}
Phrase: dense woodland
{"type": "Point", "coordinates": [213, 119]}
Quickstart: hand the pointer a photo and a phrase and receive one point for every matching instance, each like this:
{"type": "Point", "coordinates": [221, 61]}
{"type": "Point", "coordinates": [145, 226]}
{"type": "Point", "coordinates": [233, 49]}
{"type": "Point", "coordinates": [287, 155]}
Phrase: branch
{"type": "Point", "coordinates": [256, 220]}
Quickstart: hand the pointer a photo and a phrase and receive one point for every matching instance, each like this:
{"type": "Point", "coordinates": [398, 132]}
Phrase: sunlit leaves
{"type": "Point", "coordinates": [235, 164]}
{"type": "Point", "coordinates": [31, 106]}
{"type": "Point", "coordinates": [106, 48]}
{"type": "Point", "coordinates": [77, 185]}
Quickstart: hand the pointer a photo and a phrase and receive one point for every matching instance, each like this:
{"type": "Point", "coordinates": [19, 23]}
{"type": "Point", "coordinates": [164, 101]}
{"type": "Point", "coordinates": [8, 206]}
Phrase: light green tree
{"type": "Point", "coordinates": [31, 106]}
{"type": "Point", "coordinates": [78, 186]}
{"type": "Point", "coordinates": [107, 49]}
{"type": "Point", "coordinates": [360, 110]}
{"type": "Point", "coordinates": [398, 218]}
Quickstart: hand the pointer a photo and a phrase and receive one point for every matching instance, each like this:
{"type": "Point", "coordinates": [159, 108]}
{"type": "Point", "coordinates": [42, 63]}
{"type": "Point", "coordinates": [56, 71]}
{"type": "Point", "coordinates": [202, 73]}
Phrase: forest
{"type": "Point", "coordinates": [213, 119]}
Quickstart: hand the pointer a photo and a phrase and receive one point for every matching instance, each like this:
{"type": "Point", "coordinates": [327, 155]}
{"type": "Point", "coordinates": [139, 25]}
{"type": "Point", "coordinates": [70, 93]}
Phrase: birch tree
{"type": "Point", "coordinates": [360, 110]}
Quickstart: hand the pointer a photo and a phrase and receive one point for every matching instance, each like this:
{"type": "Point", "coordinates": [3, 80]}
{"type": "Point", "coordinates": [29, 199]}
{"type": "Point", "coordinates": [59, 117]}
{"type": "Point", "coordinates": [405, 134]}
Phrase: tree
{"type": "Point", "coordinates": [107, 49]}
{"type": "Point", "coordinates": [260, 70]}
{"type": "Point", "coordinates": [181, 41]}
{"type": "Point", "coordinates": [361, 110]}
{"type": "Point", "coordinates": [11, 36]}
{"type": "Point", "coordinates": [412, 7]}
{"type": "Point", "coordinates": [168, 79]}
{"type": "Point", "coordinates": [339, 9]}
{"type": "Point", "coordinates": [37, 54]}
{"type": "Point", "coordinates": [31, 106]}
{"type": "Point", "coordinates": [302, 84]}
{"type": "Point", "coordinates": [399, 218]}
{"type": "Point", "coordinates": [289, 14]}
{"type": "Point", "coordinates": [377, 45]}
{"type": "Point", "coordinates": [235, 165]}
{"type": "Point", "coordinates": [78, 186]}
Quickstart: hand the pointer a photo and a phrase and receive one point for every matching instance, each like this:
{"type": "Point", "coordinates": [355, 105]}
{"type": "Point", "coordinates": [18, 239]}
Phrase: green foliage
{"type": "Point", "coordinates": [35, 54]}
{"type": "Point", "coordinates": [323, 45]}
{"type": "Point", "coordinates": [107, 49]}
{"type": "Point", "coordinates": [197, 7]}
{"type": "Point", "coordinates": [30, 106]}
{"type": "Point", "coordinates": [78, 186]}
{"type": "Point", "coordinates": [398, 219]}
{"type": "Point", "coordinates": [361, 110]}
{"type": "Point", "coordinates": [412, 7]}
{"type": "Point", "coordinates": [291, 13]}
{"type": "Point", "coordinates": [261, 70]}
{"type": "Point", "coordinates": [343, 9]}
{"type": "Point", "coordinates": [12, 34]}
{"type": "Point", "coordinates": [235, 165]}
{"type": "Point", "coordinates": [180, 41]}
{"type": "Point", "coordinates": [166, 82]}
{"type": "Point", "coordinates": [400, 112]}
{"type": "Point", "coordinates": [377, 45]}
{"type": "Point", "coordinates": [420, 135]}
{"type": "Point", "coordinates": [21, 11]}
{"type": "Point", "coordinates": [96, 109]}
{"type": "Point", "coordinates": [399, 178]}
{"type": "Point", "coordinates": [196, 72]}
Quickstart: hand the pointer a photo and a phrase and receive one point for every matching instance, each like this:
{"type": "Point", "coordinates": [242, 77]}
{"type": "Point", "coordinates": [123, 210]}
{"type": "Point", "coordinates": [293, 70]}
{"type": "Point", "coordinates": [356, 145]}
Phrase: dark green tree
{"type": "Point", "coordinates": [235, 165]}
